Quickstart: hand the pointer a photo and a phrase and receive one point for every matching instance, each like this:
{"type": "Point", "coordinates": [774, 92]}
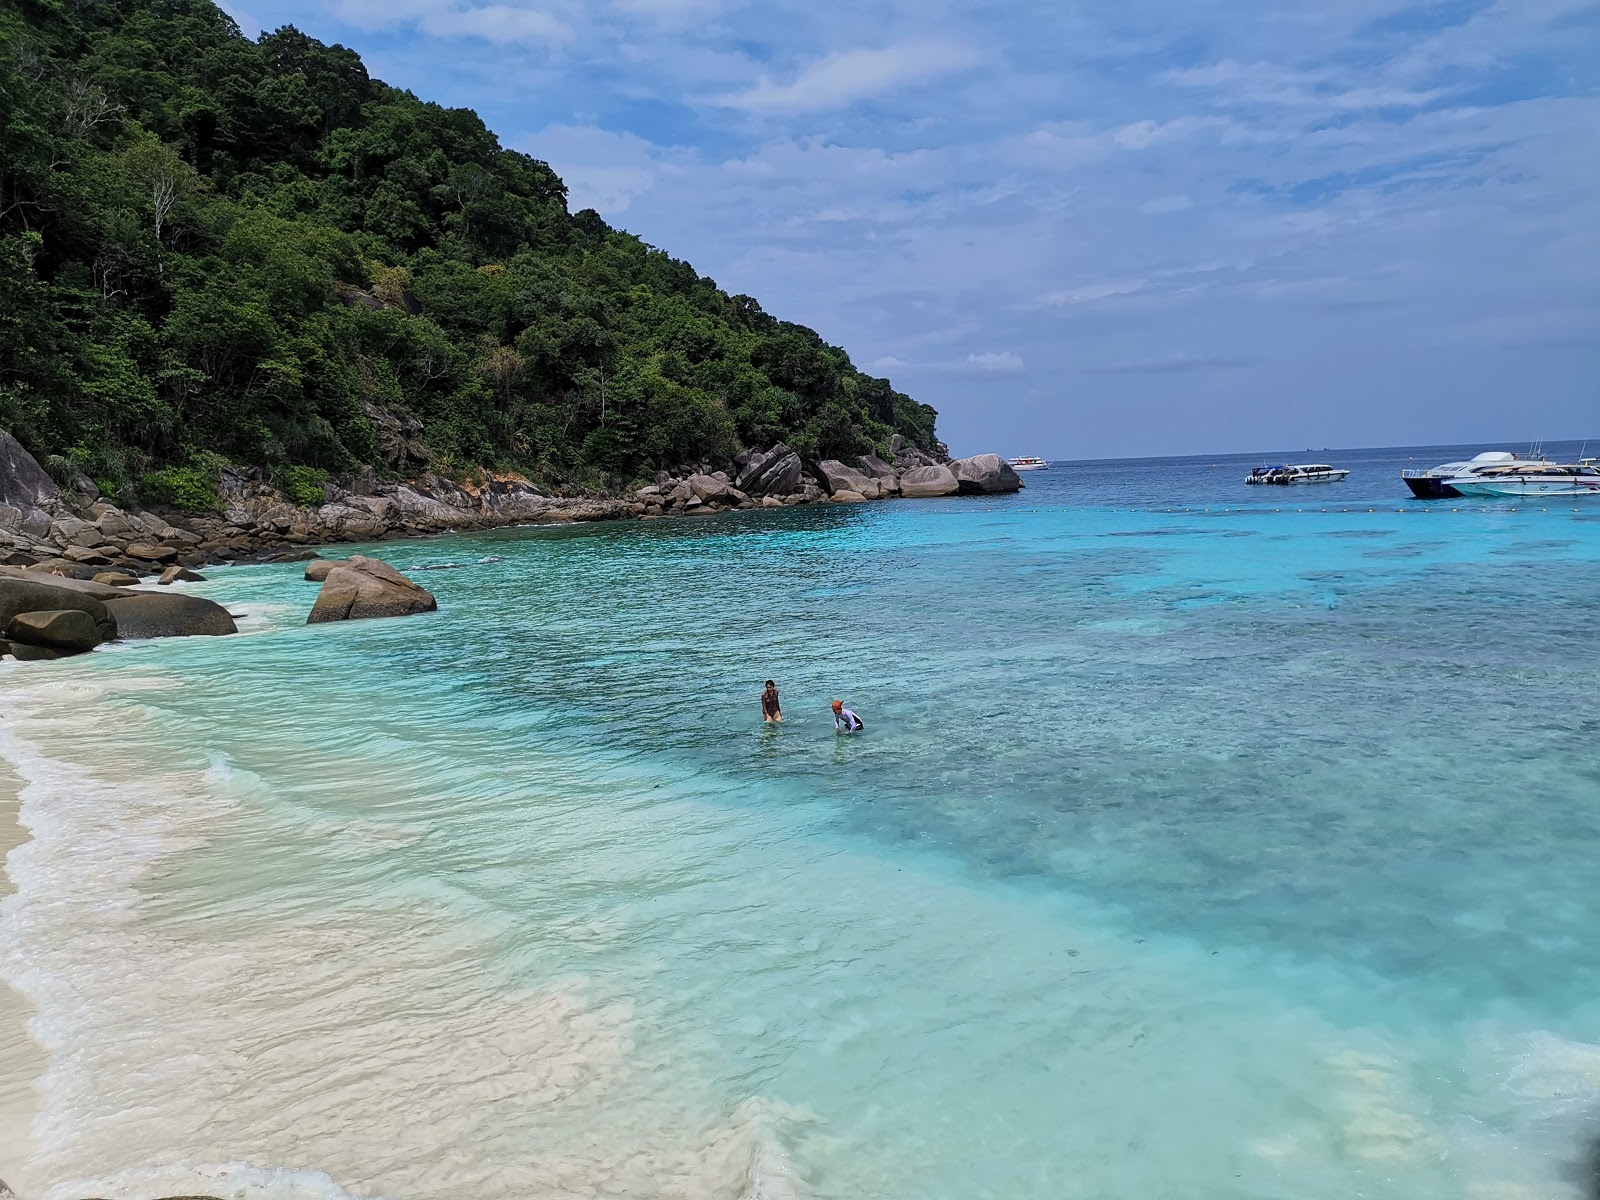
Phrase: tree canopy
{"type": "Point", "coordinates": [213, 248]}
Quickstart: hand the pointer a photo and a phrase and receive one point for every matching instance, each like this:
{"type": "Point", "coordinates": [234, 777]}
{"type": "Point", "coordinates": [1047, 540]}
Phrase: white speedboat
{"type": "Point", "coordinates": [1440, 482]}
{"type": "Point", "coordinates": [1531, 479]}
{"type": "Point", "coordinates": [1027, 463]}
{"type": "Point", "coordinates": [1286, 475]}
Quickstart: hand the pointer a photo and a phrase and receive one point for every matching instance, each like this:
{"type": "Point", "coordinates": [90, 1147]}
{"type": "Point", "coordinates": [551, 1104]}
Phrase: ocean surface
{"type": "Point", "coordinates": [1202, 844]}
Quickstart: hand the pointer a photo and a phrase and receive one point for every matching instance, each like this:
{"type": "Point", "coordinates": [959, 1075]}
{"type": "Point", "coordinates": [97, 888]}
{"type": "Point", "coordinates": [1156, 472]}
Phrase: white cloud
{"type": "Point", "coordinates": [1003, 363]}
{"type": "Point", "coordinates": [846, 76]}
{"type": "Point", "coordinates": [498, 23]}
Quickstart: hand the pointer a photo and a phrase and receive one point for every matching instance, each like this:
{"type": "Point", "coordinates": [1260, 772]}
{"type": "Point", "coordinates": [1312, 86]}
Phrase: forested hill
{"type": "Point", "coordinates": [213, 248]}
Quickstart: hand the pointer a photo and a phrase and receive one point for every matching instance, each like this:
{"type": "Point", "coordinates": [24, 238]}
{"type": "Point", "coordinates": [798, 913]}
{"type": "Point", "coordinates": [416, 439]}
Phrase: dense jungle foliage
{"type": "Point", "coordinates": [217, 250]}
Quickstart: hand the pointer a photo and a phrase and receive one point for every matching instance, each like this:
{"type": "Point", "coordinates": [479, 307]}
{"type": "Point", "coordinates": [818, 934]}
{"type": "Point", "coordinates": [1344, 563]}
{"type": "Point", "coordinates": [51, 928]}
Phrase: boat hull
{"type": "Point", "coordinates": [1512, 489]}
{"type": "Point", "coordinates": [1425, 487]}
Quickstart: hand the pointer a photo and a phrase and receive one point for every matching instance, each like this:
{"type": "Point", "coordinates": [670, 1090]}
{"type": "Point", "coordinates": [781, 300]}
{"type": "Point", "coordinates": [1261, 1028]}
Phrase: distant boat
{"type": "Point", "coordinates": [1284, 475]}
{"type": "Point", "coordinates": [1027, 463]}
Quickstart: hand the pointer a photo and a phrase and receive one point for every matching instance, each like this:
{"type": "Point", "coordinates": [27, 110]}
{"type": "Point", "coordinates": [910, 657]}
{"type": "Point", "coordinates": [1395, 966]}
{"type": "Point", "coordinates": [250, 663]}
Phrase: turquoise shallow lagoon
{"type": "Point", "coordinates": [1246, 849]}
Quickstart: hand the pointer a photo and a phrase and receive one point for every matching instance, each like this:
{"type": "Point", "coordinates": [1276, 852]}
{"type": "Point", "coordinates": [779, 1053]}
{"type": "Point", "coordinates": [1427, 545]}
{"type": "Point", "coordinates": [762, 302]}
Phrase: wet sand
{"type": "Point", "coordinates": [21, 1059]}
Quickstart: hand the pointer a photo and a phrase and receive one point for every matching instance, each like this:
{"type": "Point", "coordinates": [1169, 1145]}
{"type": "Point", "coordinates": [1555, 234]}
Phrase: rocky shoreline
{"type": "Point", "coordinates": [76, 533]}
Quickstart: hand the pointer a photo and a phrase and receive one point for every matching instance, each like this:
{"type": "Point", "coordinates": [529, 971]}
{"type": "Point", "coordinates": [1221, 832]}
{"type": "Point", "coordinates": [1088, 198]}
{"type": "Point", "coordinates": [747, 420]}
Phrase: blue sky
{"type": "Point", "coordinates": [1112, 227]}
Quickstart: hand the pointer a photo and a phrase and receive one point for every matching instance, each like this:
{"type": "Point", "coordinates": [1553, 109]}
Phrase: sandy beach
{"type": "Point", "coordinates": [21, 1059]}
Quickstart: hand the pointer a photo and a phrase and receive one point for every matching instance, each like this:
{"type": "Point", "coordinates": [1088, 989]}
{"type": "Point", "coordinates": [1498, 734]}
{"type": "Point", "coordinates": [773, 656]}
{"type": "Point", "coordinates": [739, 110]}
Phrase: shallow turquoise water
{"type": "Point", "coordinates": [1216, 854]}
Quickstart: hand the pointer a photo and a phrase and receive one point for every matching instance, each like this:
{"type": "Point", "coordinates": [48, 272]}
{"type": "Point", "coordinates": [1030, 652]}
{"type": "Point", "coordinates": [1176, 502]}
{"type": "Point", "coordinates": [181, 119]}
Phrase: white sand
{"type": "Point", "coordinates": [21, 1059]}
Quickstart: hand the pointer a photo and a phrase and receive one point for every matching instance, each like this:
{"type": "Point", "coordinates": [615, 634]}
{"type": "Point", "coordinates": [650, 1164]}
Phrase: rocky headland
{"type": "Point", "coordinates": [72, 531]}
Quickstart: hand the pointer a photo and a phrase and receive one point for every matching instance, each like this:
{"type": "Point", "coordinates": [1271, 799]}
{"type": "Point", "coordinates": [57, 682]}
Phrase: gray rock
{"type": "Point", "coordinates": [24, 484]}
{"type": "Point", "coordinates": [778, 475]}
{"type": "Point", "coordinates": [846, 496]}
{"type": "Point", "coordinates": [368, 587]}
{"type": "Point", "coordinates": [100, 556]}
{"type": "Point", "coordinates": [985, 475]}
{"type": "Point", "coordinates": [70, 630]}
{"type": "Point", "coordinates": [148, 553]}
{"type": "Point", "coordinates": [23, 652]}
{"type": "Point", "coordinates": [835, 477]}
{"type": "Point", "coordinates": [116, 579]}
{"type": "Point", "coordinates": [27, 592]}
{"type": "Point", "coordinates": [177, 574]}
{"type": "Point", "coordinates": [936, 480]}
{"type": "Point", "coordinates": [71, 531]}
{"type": "Point", "coordinates": [708, 489]}
{"type": "Point", "coordinates": [875, 467]}
{"type": "Point", "coordinates": [65, 568]}
{"type": "Point", "coordinates": [168, 614]}
{"type": "Point", "coordinates": [319, 570]}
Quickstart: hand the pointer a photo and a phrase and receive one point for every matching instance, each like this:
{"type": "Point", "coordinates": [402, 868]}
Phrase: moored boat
{"type": "Point", "coordinates": [1027, 463]}
{"type": "Point", "coordinates": [1286, 475]}
{"type": "Point", "coordinates": [1531, 479]}
{"type": "Point", "coordinates": [1439, 483]}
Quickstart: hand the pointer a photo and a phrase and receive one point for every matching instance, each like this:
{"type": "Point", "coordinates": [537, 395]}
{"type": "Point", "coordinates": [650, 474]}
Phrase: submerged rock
{"type": "Point", "coordinates": [368, 587]}
{"type": "Point", "coordinates": [168, 614]}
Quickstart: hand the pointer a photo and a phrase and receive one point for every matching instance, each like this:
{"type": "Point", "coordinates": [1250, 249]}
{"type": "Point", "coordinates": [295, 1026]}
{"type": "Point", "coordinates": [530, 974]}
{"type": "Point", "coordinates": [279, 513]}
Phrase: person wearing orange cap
{"type": "Point", "coordinates": [845, 721]}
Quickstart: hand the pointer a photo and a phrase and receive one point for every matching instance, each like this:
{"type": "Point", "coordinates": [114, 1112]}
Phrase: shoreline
{"type": "Point", "coordinates": [22, 1060]}
{"type": "Point", "coordinates": [75, 532]}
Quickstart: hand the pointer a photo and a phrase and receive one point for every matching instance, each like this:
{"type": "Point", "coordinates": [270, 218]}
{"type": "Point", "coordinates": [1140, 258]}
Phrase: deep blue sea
{"type": "Point", "coordinates": [1205, 842]}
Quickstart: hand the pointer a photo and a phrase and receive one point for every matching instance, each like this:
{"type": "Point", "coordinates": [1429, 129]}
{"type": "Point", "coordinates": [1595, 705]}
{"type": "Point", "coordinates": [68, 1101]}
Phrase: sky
{"type": "Point", "coordinates": [1102, 228]}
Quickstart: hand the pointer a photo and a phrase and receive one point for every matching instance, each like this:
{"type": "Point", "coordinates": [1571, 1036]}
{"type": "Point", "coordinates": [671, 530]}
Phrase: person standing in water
{"type": "Point", "coordinates": [770, 712]}
{"type": "Point", "coordinates": [845, 721]}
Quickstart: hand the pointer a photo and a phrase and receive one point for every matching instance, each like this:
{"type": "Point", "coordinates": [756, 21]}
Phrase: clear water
{"type": "Point", "coordinates": [1245, 849]}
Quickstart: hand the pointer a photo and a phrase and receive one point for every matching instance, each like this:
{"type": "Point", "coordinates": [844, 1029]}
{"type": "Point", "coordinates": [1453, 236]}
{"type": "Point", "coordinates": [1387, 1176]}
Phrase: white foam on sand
{"type": "Point", "coordinates": [362, 1052]}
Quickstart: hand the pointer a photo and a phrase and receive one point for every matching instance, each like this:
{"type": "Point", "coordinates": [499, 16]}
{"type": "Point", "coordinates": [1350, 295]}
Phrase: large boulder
{"type": "Point", "coordinates": [368, 587]}
{"type": "Point", "coordinates": [116, 579]}
{"type": "Point", "coordinates": [177, 574]}
{"type": "Point", "coordinates": [985, 475]}
{"type": "Point", "coordinates": [319, 569]}
{"type": "Point", "coordinates": [24, 484]}
{"type": "Point", "coordinates": [27, 593]}
{"type": "Point", "coordinates": [778, 473]}
{"type": "Point", "coordinates": [168, 614]}
{"type": "Point", "coordinates": [935, 480]}
{"type": "Point", "coordinates": [836, 477]}
{"type": "Point", "coordinates": [875, 467]}
{"type": "Point", "coordinates": [708, 489]}
{"type": "Point", "coordinates": [70, 630]}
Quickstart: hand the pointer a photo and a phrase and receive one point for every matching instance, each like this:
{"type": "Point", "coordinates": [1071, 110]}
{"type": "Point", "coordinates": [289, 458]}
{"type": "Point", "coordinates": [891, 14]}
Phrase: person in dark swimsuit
{"type": "Point", "coordinates": [770, 712]}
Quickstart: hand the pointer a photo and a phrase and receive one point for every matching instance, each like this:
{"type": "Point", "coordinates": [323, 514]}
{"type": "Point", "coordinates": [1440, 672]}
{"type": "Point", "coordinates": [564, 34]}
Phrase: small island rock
{"type": "Point", "coordinates": [368, 587]}
{"type": "Point", "coordinates": [985, 475]}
